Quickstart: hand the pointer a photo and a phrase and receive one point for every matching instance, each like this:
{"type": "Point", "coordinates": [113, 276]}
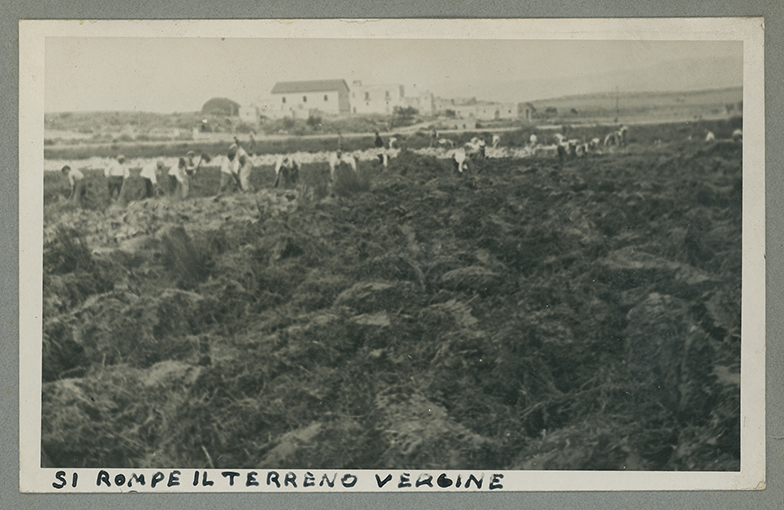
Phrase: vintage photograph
{"type": "Point", "coordinates": [392, 253]}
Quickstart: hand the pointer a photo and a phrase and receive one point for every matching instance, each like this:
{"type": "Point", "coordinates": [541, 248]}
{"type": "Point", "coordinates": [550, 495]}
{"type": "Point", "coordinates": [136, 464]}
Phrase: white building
{"type": "Point", "coordinates": [422, 100]}
{"type": "Point", "coordinates": [300, 99]}
{"type": "Point", "coordinates": [480, 110]}
{"type": "Point", "coordinates": [376, 98]}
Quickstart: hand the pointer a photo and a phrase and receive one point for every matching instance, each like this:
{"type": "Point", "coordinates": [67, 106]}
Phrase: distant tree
{"type": "Point", "coordinates": [404, 112]}
{"type": "Point", "coordinates": [220, 106]}
{"type": "Point", "coordinates": [450, 113]}
{"type": "Point", "coordinates": [314, 122]}
{"type": "Point", "coordinates": [574, 111]}
{"type": "Point", "coordinates": [288, 122]}
{"type": "Point", "coordinates": [551, 111]}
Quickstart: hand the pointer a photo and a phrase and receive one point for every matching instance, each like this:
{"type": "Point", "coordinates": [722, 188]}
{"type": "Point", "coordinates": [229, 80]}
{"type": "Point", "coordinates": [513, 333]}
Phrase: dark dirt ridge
{"type": "Point", "coordinates": [530, 316]}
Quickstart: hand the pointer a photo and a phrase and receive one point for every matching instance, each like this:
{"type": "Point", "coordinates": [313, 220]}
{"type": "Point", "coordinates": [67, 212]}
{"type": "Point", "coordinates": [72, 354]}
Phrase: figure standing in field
{"type": "Point", "coordinates": [149, 175]}
{"type": "Point", "coordinates": [533, 140]}
{"type": "Point", "coordinates": [245, 166]}
{"type": "Point", "coordinates": [252, 146]}
{"type": "Point", "coordinates": [433, 138]}
{"type": "Point", "coordinates": [116, 173]}
{"type": "Point", "coordinates": [287, 168]}
{"type": "Point", "coordinates": [380, 154]}
{"type": "Point", "coordinates": [191, 165]}
{"type": "Point", "coordinates": [178, 179]}
{"type": "Point", "coordinates": [229, 171]}
{"type": "Point", "coordinates": [336, 159]}
{"type": "Point", "coordinates": [460, 161]}
{"type": "Point", "coordinates": [340, 142]}
{"type": "Point", "coordinates": [76, 180]}
{"type": "Point", "coordinates": [622, 135]}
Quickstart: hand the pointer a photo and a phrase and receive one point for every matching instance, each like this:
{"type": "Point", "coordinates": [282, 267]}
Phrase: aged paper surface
{"type": "Point", "coordinates": [476, 46]}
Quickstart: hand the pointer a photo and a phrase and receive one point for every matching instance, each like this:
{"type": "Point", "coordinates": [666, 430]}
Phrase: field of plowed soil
{"type": "Point", "coordinates": [531, 315]}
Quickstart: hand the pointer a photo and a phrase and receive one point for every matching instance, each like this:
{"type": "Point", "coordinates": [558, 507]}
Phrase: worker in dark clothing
{"type": "Point", "coordinates": [379, 143]}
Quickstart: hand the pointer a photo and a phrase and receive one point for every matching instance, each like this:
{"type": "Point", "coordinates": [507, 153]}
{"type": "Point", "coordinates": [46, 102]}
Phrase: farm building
{"type": "Point", "coordinates": [481, 110]}
{"type": "Point", "coordinates": [422, 100]}
{"type": "Point", "coordinates": [299, 98]}
{"type": "Point", "coordinates": [376, 98]}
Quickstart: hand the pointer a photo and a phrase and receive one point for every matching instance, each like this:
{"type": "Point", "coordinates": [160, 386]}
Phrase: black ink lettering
{"type": "Point", "coordinates": [139, 479]}
{"type": "Point", "coordinates": [103, 476]}
{"type": "Point", "coordinates": [477, 482]}
{"type": "Point", "coordinates": [156, 479]}
{"type": "Point", "coordinates": [205, 482]}
{"type": "Point", "coordinates": [60, 475]}
{"type": "Point", "coordinates": [404, 481]}
{"type": "Point", "coordinates": [251, 480]}
{"type": "Point", "coordinates": [173, 479]}
{"type": "Point", "coordinates": [272, 476]}
{"type": "Point", "coordinates": [290, 478]}
{"type": "Point", "coordinates": [231, 475]}
{"type": "Point", "coordinates": [196, 478]}
{"type": "Point", "coordinates": [383, 482]}
{"type": "Point", "coordinates": [424, 479]}
{"type": "Point", "coordinates": [309, 480]}
{"type": "Point", "coordinates": [443, 481]}
{"type": "Point", "coordinates": [495, 482]}
{"type": "Point", "coordinates": [459, 481]}
{"type": "Point", "coordinates": [74, 479]}
{"type": "Point", "coordinates": [119, 479]}
{"type": "Point", "coordinates": [345, 480]}
{"type": "Point", "coordinates": [325, 478]}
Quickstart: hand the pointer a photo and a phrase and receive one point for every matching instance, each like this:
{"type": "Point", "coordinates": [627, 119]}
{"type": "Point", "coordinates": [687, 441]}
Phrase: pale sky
{"type": "Point", "coordinates": [180, 74]}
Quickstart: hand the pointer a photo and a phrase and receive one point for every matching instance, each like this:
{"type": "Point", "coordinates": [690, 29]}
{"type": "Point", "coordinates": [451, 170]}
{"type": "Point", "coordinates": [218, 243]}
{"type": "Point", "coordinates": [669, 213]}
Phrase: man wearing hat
{"type": "Point", "coordinates": [116, 173]}
{"type": "Point", "coordinates": [149, 174]}
{"type": "Point", "coordinates": [191, 165]}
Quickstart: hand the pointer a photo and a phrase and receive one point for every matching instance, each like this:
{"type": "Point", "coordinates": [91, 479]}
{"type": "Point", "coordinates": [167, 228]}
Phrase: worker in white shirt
{"type": "Point", "coordinates": [533, 140]}
{"type": "Point", "coordinates": [229, 170]}
{"type": "Point", "coordinates": [149, 174]}
{"type": "Point", "coordinates": [338, 158]}
{"type": "Point", "coordinates": [76, 180]}
{"type": "Point", "coordinates": [178, 179]}
{"type": "Point", "coordinates": [245, 166]}
{"type": "Point", "coordinates": [116, 173]}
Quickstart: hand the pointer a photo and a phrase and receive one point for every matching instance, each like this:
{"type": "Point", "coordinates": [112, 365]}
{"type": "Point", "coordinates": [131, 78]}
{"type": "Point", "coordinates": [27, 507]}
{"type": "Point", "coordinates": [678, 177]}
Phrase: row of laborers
{"type": "Point", "coordinates": [237, 166]}
{"type": "Point", "coordinates": [235, 173]}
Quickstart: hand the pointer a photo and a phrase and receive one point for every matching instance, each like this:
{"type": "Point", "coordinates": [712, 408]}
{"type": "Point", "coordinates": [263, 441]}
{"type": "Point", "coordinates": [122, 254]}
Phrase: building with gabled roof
{"type": "Point", "coordinates": [300, 99]}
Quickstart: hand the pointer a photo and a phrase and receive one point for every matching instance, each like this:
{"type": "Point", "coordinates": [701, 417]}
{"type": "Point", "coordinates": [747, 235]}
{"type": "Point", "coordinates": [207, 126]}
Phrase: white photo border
{"type": "Point", "coordinates": [32, 36]}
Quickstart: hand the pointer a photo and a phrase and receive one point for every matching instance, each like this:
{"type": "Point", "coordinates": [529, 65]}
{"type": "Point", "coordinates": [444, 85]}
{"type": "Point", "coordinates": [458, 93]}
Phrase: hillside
{"type": "Point", "coordinates": [653, 105]}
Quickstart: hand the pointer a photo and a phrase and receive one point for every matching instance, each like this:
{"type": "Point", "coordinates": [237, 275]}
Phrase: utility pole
{"type": "Point", "coordinates": [617, 104]}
